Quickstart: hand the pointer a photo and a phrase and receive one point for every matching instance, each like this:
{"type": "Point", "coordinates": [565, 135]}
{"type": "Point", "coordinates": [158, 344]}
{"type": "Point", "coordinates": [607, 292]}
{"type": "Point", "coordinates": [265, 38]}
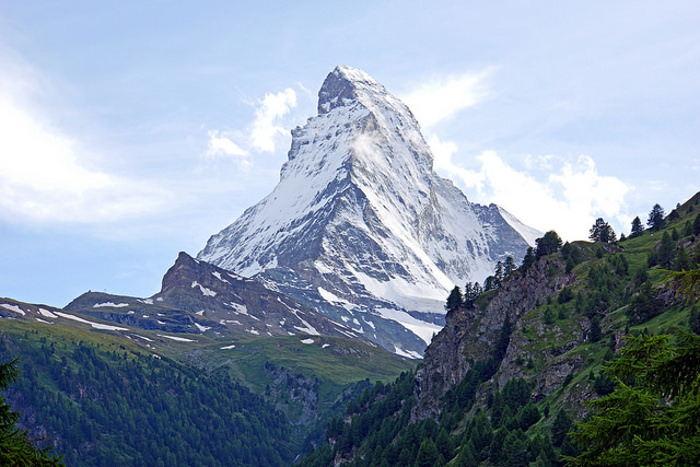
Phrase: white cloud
{"type": "Point", "coordinates": [265, 127]}
{"type": "Point", "coordinates": [43, 177]}
{"type": "Point", "coordinates": [567, 200]}
{"type": "Point", "coordinates": [262, 135]}
{"type": "Point", "coordinates": [444, 97]}
{"type": "Point", "coordinates": [221, 145]}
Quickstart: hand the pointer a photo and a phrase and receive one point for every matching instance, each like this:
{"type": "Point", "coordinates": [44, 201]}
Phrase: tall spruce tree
{"type": "Point", "coordinates": [656, 218]}
{"type": "Point", "coordinates": [454, 300]}
{"type": "Point", "coordinates": [637, 227]}
{"type": "Point", "coordinates": [602, 232]}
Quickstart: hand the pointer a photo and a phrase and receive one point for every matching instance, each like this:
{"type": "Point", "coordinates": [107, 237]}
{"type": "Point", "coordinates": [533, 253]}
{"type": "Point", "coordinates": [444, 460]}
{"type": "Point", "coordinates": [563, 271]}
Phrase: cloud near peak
{"type": "Point", "coordinates": [260, 136]}
{"type": "Point", "coordinates": [442, 98]}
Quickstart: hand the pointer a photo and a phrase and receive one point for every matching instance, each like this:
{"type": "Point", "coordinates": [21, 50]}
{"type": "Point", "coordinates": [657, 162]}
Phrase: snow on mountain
{"type": "Point", "coordinates": [361, 227]}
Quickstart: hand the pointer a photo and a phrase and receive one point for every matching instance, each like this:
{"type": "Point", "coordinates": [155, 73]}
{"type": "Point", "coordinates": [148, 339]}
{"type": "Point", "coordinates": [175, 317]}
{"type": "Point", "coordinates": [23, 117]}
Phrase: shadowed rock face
{"type": "Point", "coordinates": [360, 226]}
{"type": "Point", "coordinates": [471, 334]}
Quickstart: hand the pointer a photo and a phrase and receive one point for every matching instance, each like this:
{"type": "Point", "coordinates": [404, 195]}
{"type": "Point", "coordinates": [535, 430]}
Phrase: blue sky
{"type": "Point", "coordinates": [130, 131]}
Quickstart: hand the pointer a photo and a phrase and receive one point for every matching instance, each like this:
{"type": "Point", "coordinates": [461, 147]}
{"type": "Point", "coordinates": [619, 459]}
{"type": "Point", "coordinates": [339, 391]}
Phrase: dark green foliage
{"type": "Point", "coordinates": [688, 229]}
{"type": "Point", "coordinates": [565, 295]}
{"type": "Point", "coordinates": [528, 416]}
{"type": "Point", "coordinates": [619, 264]}
{"type": "Point", "coordinates": [515, 449]}
{"type": "Point", "coordinates": [602, 232]}
{"type": "Point", "coordinates": [560, 427]}
{"type": "Point", "coordinates": [694, 320]}
{"type": "Point", "coordinates": [508, 267]}
{"type": "Point", "coordinates": [696, 225]}
{"type": "Point", "coordinates": [427, 454]}
{"type": "Point", "coordinates": [652, 415]}
{"type": "Point", "coordinates": [572, 255]}
{"type": "Point", "coordinates": [528, 259]}
{"type": "Point", "coordinates": [16, 448]}
{"type": "Point", "coordinates": [471, 293]}
{"type": "Point", "coordinates": [644, 306]}
{"type": "Point", "coordinates": [603, 385]}
{"type": "Point", "coordinates": [490, 283]}
{"type": "Point", "coordinates": [641, 276]}
{"type": "Point", "coordinates": [637, 227]}
{"type": "Point", "coordinates": [454, 300]}
{"type": "Point", "coordinates": [596, 333]}
{"type": "Point", "coordinates": [664, 253]}
{"type": "Point", "coordinates": [682, 260]}
{"type": "Point", "coordinates": [656, 218]}
{"type": "Point", "coordinates": [114, 409]}
{"type": "Point", "coordinates": [380, 425]}
{"type": "Point", "coordinates": [548, 316]}
{"type": "Point", "coordinates": [550, 243]}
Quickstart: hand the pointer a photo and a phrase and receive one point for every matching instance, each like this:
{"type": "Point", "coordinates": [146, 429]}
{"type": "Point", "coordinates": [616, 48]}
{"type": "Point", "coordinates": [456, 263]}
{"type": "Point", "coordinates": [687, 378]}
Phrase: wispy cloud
{"type": "Point", "coordinates": [43, 174]}
{"type": "Point", "coordinates": [442, 98]}
{"type": "Point", "coordinates": [263, 134]}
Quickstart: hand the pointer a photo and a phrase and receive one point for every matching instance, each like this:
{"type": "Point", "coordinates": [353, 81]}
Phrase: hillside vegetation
{"type": "Point", "coordinates": [565, 337]}
{"type": "Point", "coordinates": [112, 397]}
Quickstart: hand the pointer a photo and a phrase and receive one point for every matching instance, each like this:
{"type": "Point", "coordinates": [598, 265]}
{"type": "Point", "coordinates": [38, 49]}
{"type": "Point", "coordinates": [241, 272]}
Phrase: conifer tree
{"type": "Point", "coordinates": [550, 243]}
{"type": "Point", "coordinates": [656, 217]}
{"type": "Point", "coordinates": [602, 232]}
{"type": "Point", "coordinates": [637, 227]}
{"type": "Point", "coordinates": [454, 300]}
{"type": "Point", "coordinates": [651, 416]}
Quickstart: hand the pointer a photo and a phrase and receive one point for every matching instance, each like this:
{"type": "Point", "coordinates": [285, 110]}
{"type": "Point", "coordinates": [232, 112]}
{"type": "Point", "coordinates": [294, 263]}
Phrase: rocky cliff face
{"type": "Point", "coordinates": [360, 227]}
{"type": "Point", "coordinates": [197, 297]}
{"type": "Point", "coordinates": [470, 334]}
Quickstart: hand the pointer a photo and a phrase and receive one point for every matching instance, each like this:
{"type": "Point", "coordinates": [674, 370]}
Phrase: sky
{"type": "Point", "coordinates": [132, 130]}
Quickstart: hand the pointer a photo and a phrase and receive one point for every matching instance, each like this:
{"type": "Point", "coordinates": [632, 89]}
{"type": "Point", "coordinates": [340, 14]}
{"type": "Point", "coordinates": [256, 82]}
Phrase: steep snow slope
{"type": "Point", "coordinates": [361, 223]}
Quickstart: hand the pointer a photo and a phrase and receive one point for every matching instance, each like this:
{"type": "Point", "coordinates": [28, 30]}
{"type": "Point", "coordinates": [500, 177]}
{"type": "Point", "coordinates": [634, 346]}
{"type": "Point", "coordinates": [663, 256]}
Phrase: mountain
{"type": "Point", "coordinates": [196, 297]}
{"type": "Point", "coordinates": [504, 380]}
{"type": "Point", "coordinates": [361, 228]}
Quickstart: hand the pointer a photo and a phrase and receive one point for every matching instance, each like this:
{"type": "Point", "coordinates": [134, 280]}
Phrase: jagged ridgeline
{"type": "Point", "coordinates": [514, 368]}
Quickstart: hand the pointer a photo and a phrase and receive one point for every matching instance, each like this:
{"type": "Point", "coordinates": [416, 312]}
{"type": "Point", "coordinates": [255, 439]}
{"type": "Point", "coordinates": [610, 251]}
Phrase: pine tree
{"type": "Point", "coordinates": [508, 267]}
{"type": "Point", "coordinates": [528, 259]}
{"type": "Point", "coordinates": [454, 300]}
{"type": "Point", "coordinates": [550, 243]}
{"type": "Point", "coordinates": [656, 218]}
{"type": "Point", "coordinates": [637, 227]}
{"type": "Point", "coordinates": [560, 427]}
{"type": "Point", "coordinates": [602, 232]}
{"type": "Point", "coordinates": [427, 454]}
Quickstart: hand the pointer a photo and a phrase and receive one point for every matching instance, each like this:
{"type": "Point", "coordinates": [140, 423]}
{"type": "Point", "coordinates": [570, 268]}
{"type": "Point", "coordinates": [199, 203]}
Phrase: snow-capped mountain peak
{"type": "Point", "coordinates": [360, 216]}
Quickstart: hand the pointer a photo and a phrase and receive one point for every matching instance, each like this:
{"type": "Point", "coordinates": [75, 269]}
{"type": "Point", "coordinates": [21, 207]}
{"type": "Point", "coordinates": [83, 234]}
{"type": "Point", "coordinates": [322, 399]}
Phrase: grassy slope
{"type": "Point", "coordinates": [541, 337]}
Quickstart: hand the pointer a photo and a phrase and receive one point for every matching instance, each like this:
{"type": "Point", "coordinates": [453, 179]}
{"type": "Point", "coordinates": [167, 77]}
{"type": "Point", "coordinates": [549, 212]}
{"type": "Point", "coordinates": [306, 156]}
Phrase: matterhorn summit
{"type": "Point", "coordinates": [361, 228]}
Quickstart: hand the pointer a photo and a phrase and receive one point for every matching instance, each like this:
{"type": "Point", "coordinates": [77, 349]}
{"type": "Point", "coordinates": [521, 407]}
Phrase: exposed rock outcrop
{"type": "Point", "coordinates": [470, 334]}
